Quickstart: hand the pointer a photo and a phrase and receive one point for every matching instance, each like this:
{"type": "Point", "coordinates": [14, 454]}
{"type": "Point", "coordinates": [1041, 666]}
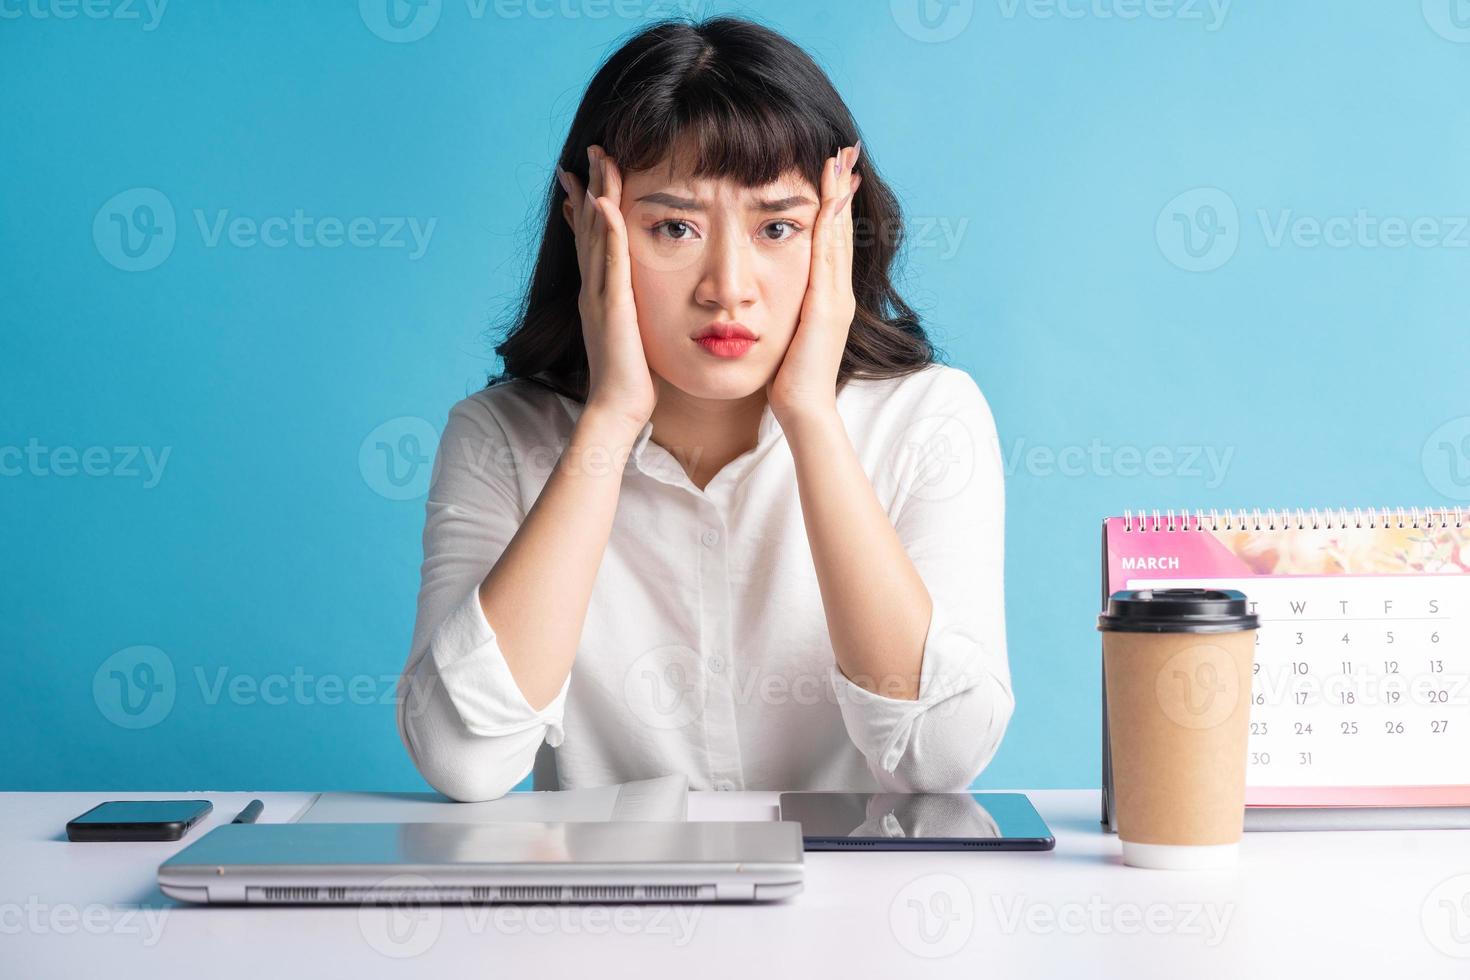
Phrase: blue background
{"type": "Point", "coordinates": [1051, 139]}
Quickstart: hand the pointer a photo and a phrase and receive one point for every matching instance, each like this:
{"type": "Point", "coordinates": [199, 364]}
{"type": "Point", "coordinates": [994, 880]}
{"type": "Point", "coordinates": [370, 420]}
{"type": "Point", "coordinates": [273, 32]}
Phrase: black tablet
{"type": "Point", "coordinates": [917, 821]}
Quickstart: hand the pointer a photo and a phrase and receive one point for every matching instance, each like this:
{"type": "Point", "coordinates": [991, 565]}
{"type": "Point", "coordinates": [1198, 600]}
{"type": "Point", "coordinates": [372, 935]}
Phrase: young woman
{"type": "Point", "coordinates": [723, 514]}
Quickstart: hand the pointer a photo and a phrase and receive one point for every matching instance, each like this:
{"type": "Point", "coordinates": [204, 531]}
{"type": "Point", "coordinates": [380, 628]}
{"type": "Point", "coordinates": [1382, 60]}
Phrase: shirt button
{"type": "Point", "coordinates": [717, 663]}
{"type": "Point", "coordinates": [710, 536]}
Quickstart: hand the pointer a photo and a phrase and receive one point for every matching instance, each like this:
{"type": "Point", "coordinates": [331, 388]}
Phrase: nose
{"type": "Point", "coordinates": [727, 280]}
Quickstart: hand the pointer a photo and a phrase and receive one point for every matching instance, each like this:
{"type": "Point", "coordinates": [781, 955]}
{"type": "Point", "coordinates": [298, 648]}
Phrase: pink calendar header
{"type": "Point", "coordinates": [1148, 548]}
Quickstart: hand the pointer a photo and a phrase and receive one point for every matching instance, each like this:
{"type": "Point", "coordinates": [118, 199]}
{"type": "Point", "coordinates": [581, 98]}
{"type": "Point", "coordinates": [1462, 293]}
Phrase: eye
{"type": "Point", "coordinates": [791, 229]}
{"type": "Point", "coordinates": [685, 229]}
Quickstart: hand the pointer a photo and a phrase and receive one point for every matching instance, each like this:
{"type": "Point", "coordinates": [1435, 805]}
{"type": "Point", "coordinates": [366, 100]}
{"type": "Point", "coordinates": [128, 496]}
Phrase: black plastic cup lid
{"type": "Point", "coordinates": [1177, 611]}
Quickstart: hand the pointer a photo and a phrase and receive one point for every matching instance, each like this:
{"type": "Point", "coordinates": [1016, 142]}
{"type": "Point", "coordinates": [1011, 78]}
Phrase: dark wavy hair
{"type": "Point", "coordinates": [753, 106]}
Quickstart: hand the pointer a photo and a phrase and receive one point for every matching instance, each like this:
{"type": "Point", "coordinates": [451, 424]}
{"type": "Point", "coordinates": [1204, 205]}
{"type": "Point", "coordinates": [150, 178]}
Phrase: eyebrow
{"type": "Point", "coordinates": [690, 204]}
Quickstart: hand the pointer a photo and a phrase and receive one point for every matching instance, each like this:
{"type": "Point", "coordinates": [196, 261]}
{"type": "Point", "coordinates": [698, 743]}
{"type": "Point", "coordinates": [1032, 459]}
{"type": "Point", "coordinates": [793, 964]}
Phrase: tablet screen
{"type": "Point", "coordinates": [900, 818]}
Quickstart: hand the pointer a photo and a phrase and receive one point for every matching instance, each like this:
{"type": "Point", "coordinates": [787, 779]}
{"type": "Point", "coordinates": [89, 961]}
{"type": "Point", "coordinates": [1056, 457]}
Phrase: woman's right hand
{"type": "Point", "coordinates": [619, 380]}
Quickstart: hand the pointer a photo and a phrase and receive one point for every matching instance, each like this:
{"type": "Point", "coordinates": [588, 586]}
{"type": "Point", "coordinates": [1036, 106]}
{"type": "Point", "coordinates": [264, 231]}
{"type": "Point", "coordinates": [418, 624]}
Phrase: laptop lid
{"type": "Point", "coordinates": [352, 863]}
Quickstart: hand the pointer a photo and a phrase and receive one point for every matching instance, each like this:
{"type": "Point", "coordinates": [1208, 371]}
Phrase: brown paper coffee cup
{"type": "Point", "coordinates": [1177, 668]}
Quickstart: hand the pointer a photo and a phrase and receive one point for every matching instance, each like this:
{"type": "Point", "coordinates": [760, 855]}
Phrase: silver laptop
{"type": "Point", "coordinates": [373, 863]}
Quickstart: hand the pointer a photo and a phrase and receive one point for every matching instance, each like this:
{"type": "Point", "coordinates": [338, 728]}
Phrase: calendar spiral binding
{"type": "Point", "coordinates": [1297, 519]}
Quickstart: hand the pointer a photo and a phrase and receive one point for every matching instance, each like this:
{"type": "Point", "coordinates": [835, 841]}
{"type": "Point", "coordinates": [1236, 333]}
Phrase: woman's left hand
{"type": "Point", "coordinates": [806, 381]}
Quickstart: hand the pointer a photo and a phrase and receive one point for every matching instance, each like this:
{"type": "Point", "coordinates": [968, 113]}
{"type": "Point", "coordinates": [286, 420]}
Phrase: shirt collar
{"type": "Point", "coordinates": [767, 432]}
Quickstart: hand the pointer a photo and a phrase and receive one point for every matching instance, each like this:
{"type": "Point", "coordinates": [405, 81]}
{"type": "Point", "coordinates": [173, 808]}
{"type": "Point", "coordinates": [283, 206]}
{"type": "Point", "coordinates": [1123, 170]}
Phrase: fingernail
{"type": "Point", "coordinates": [857, 151]}
{"type": "Point", "coordinates": [837, 164]}
{"type": "Point", "coordinates": [561, 176]}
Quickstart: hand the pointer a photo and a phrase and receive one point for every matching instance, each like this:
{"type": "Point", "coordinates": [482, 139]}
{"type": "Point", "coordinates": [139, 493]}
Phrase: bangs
{"type": "Point", "coordinates": [710, 125]}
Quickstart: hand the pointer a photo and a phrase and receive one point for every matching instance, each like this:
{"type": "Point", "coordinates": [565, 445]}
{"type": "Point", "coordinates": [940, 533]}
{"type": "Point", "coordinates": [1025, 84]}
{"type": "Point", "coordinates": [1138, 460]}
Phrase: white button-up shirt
{"type": "Point", "coordinates": [705, 649]}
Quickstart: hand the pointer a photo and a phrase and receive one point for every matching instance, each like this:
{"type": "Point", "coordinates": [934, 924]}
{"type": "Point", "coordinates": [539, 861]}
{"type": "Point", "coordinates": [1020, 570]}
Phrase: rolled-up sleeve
{"type": "Point", "coordinates": [463, 719]}
{"type": "Point", "coordinates": [951, 519]}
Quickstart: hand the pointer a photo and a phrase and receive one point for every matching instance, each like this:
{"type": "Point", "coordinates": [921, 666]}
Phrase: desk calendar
{"type": "Point", "coordinates": [1361, 694]}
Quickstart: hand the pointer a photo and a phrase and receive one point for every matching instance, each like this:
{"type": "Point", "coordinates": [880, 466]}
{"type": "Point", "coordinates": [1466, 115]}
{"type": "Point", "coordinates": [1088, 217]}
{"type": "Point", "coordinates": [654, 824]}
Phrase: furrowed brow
{"type": "Point", "coordinates": [689, 204]}
{"type": "Point", "coordinates": [672, 201]}
{"type": "Point", "coordinates": [784, 203]}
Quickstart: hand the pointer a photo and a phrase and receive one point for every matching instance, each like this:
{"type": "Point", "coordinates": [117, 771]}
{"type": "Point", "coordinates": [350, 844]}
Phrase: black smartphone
{"type": "Point", "coordinates": [917, 821]}
{"type": "Point", "coordinates": [138, 820]}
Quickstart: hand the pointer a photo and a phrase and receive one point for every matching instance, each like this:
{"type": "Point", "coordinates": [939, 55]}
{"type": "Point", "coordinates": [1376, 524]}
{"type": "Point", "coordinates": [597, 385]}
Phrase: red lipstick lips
{"type": "Point", "coordinates": [725, 329]}
{"type": "Point", "coordinates": [725, 338]}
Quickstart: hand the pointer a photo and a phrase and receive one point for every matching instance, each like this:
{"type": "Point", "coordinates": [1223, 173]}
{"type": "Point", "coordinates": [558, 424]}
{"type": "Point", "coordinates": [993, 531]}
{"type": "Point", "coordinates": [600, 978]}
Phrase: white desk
{"type": "Point", "coordinates": [1362, 903]}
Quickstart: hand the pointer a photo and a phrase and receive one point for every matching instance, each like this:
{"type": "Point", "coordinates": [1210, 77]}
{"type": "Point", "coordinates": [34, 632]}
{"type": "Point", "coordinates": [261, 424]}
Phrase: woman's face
{"type": "Point", "coordinates": [710, 251]}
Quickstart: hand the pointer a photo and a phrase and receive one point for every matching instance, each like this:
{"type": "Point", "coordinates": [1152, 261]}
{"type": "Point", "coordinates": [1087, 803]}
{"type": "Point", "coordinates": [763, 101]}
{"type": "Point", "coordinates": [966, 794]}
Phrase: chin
{"type": "Point", "coordinates": [719, 380]}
